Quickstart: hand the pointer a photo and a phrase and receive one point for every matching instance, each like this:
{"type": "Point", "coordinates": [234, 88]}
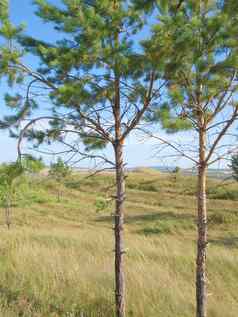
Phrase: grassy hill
{"type": "Point", "coordinates": [57, 259]}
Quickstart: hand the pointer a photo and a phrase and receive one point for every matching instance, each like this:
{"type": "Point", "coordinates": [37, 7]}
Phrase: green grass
{"type": "Point", "coordinates": [57, 259]}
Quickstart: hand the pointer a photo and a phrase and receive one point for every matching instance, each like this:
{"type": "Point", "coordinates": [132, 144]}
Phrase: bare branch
{"type": "Point", "coordinates": [222, 133]}
{"type": "Point", "coordinates": [166, 142]}
{"type": "Point", "coordinates": [140, 113]}
{"type": "Point", "coordinates": [27, 126]}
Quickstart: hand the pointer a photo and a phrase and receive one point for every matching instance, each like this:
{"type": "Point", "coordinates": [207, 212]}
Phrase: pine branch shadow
{"type": "Point", "coordinates": [156, 222]}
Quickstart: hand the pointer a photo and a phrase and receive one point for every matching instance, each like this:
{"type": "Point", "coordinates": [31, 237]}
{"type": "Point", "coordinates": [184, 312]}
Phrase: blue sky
{"type": "Point", "coordinates": [137, 151]}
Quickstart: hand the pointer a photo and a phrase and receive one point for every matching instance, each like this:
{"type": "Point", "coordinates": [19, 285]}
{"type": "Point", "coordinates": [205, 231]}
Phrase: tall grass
{"type": "Point", "coordinates": [57, 261]}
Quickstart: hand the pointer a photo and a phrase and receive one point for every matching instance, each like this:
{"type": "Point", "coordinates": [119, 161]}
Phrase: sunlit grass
{"type": "Point", "coordinates": [57, 260]}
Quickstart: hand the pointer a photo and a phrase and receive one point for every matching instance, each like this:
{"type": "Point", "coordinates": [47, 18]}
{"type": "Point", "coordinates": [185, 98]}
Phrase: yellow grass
{"type": "Point", "coordinates": [57, 260]}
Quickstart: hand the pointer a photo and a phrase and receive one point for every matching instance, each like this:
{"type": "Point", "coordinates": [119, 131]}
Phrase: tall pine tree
{"type": "Point", "coordinates": [100, 85]}
{"type": "Point", "coordinates": [198, 41]}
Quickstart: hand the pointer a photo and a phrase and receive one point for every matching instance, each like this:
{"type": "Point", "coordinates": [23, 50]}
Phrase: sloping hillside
{"type": "Point", "coordinates": [57, 259]}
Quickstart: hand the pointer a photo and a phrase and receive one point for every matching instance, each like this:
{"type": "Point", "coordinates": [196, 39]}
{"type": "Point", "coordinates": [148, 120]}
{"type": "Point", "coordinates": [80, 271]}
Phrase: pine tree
{"type": "Point", "coordinates": [8, 175]}
{"type": "Point", "coordinates": [31, 164]}
{"type": "Point", "coordinates": [100, 84]}
{"type": "Point", "coordinates": [59, 171]}
{"type": "Point", "coordinates": [198, 40]}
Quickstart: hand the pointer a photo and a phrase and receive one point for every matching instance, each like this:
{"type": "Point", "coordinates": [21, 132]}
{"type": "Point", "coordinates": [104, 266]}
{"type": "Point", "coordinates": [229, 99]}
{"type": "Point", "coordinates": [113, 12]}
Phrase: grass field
{"type": "Point", "coordinates": [57, 259]}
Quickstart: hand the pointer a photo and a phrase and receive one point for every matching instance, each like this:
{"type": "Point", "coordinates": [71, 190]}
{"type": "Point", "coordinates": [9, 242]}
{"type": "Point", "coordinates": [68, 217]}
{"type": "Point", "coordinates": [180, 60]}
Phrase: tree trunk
{"type": "Point", "coordinates": [201, 279]}
{"type": "Point", "coordinates": [118, 231]}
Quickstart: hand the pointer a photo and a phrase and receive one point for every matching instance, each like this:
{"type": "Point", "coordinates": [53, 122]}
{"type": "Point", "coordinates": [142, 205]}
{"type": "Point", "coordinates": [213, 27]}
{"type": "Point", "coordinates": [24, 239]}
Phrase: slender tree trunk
{"type": "Point", "coordinates": [120, 288]}
{"type": "Point", "coordinates": [118, 231]}
{"type": "Point", "coordinates": [201, 279]}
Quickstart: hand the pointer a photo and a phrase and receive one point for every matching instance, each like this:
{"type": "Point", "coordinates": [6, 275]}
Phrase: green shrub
{"type": "Point", "coordinates": [73, 184]}
{"type": "Point", "coordinates": [157, 229]}
{"type": "Point", "coordinates": [149, 186]}
{"type": "Point", "coordinates": [169, 226]}
{"type": "Point", "coordinates": [101, 204]}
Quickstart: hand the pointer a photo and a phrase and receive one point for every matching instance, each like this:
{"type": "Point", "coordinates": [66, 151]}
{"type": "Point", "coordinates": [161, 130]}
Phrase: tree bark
{"type": "Point", "coordinates": [118, 231]}
{"type": "Point", "coordinates": [201, 279]}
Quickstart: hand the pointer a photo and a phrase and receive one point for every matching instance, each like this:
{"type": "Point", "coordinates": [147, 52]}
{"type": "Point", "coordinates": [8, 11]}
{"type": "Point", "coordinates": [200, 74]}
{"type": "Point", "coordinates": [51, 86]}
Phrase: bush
{"type": "Point", "coordinates": [169, 226]}
{"type": "Point", "coordinates": [101, 204]}
{"type": "Point", "coordinates": [145, 186]}
{"type": "Point", "coordinates": [73, 184]}
{"type": "Point", "coordinates": [148, 187]}
{"type": "Point", "coordinates": [158, 229]}
{"type": "Point", "coordinates": [176, 170]}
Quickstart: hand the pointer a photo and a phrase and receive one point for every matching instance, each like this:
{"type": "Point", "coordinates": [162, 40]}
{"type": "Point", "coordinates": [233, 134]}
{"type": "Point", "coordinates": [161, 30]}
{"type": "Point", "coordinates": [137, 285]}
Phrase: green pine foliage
{"type": "Point", "coordinates": [3, 10]}
{"type": "Point", "coordinates": [12, 172]}
{"type": "Point", "coordinates": [9, 174]}
{"type": "Point", "coordinates": [197, 43]}
{"type": "Point", "coordinates": [59, 170]}
{"type": "Point", "coordinates": [32, 164]}
{"type": "Point", "coordinates": [99, 46]}
{"type": "Point", "coordinates": [9, 54]}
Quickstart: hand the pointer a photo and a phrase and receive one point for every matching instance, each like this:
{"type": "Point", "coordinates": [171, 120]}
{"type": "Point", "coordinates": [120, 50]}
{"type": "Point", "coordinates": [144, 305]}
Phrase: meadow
{"type": "Point", "coordinates": [57, 259]}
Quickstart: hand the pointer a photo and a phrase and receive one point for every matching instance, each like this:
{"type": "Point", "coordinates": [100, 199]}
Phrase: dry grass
{"type": "Point", "coordinates": [57, 260]}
